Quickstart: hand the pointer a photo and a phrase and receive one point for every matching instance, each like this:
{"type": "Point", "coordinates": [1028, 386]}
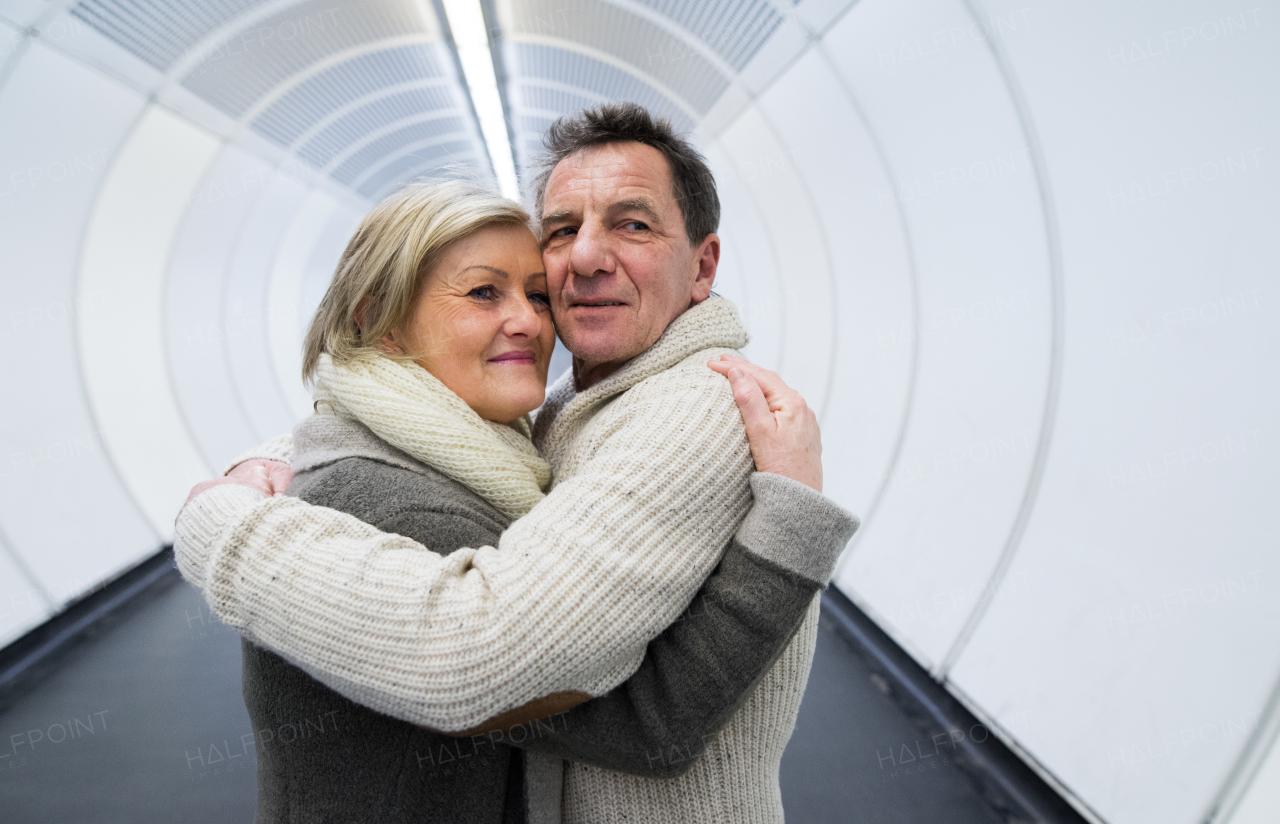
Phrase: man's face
{"type": "Point", "coordinates": [619, 265]}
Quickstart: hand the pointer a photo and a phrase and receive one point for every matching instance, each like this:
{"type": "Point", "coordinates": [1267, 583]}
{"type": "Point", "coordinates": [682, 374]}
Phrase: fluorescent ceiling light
{"type": "Point", "coordinates": [466, 21]}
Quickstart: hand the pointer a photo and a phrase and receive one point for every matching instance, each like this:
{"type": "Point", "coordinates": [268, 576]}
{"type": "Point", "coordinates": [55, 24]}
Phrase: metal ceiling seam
{"type": "Point", "coordinates": [817, 40]}
{"type": "Point", "coordinates": [409, 175]}
{"type": "Point", "coordinates": [335, 59]}
{"type": "Point", "coordinates": [273, 272]}
{"type": "Point", "coordinates": [567, 88]}
{"type": "Point", "coordinates": [15, 57]}
{"type": "Point", "coordinates": [406, 150]}
{"type": "Point", "coordinates": [1053, 384]}
{"type": "Point", "coordinates": [691, 40]}
{"type": "Point", "coordinates": [20, 563]}
{"type": "Point", "coordinates": [913, 378]}
{"type": "Point", "coordinates": [78, 340]}
{"type": "Point", "coordinates": [1244, 769]}
{"type": "Point", "coordinates": [164, 301]}
{"type": "Point", "coordinates": [609, 60]}
{"type": "Point", "coordinates": [223, 301]}
{"type": "Point", "coordinates": [149, 95]}
{"type": "Point", "coordinates": [189, 60]}
{"type": "Point", "coordinates": [559, 86]}
{"type": "Point", "coordinates": [814, 37]}
{"type": "Point", "coordinates": [369, 138]}
{"type": "Point", "coordinates": [221, 319]}
{"type": "Point", "coordinates": [773, 253]}
{"type": "Point", "coordinates": [293, 81]}
{"type": "Point", "coordinates": [342, 111]}
{"type": "Point", "coordinates": [826, 253]}
{"type": "Point", "coordinates": [988, 720]}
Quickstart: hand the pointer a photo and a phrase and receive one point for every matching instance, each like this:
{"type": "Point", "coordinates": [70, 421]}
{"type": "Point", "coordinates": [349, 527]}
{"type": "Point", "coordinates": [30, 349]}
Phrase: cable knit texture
{"type": "Point", "coordinates": [652, 472]}
{"type": "Point", "coordinates": [410, 408]}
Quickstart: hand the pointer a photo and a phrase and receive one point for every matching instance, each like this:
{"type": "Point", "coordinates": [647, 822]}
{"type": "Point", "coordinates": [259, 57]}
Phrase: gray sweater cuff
{"type": "Point", "coordinates": [796, 527]}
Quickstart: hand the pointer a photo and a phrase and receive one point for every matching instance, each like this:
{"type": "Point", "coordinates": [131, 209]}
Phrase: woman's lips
{"type": "Point", "coordinates": [522, 356]}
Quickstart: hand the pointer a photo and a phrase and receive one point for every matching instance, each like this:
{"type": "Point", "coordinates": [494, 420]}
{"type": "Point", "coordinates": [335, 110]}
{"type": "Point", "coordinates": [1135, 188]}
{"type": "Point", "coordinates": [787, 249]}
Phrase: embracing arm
{"type": "Point", "coordinates": [581, 584]}
{"type": "Point", "coordinates": [702, 668]}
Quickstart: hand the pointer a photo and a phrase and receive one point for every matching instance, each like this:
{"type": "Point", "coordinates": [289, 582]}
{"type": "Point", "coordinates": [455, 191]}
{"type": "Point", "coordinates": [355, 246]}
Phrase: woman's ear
{"type": "Point", "coordinates": [388, 344]}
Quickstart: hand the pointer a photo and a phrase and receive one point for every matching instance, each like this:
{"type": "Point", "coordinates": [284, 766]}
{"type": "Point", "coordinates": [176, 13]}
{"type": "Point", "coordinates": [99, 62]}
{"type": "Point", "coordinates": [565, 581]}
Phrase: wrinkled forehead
{"type": "Point", "coordinates": [598, 175]}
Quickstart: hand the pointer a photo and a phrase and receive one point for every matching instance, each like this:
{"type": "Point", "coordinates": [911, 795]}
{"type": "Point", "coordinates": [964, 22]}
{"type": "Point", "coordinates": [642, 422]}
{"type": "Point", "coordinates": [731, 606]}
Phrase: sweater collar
{"type": "Point", "coordinates": [319, 440]}
{"type": "Point", "coordinates": [712, 324]}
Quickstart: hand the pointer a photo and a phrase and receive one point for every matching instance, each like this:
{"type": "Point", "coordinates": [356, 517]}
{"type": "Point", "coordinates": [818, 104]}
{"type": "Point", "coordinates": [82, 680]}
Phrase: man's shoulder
{"type": "Point", "coordinates": [375, 491]}
{"type": "Point", "coordinates": [686, 396]}
{"type": "Point", "coordinates": [691, 378]}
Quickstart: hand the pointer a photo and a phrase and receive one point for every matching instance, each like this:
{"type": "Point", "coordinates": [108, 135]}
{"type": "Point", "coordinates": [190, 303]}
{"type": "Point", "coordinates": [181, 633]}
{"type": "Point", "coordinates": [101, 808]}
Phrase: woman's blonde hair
{"type": "Point", "coordinates": [377, 279]}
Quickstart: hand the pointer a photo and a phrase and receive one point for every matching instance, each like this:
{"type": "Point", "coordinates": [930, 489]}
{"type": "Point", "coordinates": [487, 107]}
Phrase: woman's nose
{"type": "Point", "coordinates": [523, 319]}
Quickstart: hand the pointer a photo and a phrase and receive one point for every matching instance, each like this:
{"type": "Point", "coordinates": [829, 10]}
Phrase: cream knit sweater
{"type": "Point", "coordinates": [652, 468]}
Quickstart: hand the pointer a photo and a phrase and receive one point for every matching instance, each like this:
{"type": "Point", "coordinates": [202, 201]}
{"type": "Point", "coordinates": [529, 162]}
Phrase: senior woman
{"type": "Point", "coordinates": [426, 355]}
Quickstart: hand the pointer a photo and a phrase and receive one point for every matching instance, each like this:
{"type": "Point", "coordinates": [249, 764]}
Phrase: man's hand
{"type": "Point", "coordinates": [268, 477]}
{"type": "Point", "coordinates": [783, 430]}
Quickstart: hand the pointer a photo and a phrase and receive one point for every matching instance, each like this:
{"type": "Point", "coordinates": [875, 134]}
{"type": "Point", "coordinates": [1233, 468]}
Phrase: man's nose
{"type": "Point", "coordinates": [592, 253]}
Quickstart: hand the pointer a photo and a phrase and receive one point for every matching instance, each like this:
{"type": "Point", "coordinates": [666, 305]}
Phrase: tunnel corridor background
{"type": "Point", "coordinates": [1020, 254]}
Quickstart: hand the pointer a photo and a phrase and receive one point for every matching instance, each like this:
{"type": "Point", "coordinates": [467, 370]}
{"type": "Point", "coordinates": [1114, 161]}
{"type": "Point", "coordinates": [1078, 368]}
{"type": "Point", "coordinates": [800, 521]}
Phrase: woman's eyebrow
{"type": "Point", "coordinates": [493, 269]}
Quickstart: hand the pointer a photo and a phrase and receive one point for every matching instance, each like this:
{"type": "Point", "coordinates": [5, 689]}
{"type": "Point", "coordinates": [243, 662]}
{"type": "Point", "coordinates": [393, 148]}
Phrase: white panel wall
{"type": "Point", "coordinates": [1146, 638]}
{"type": "Point", "coordinates": [902, 185]}
{"type": "Point", "coordinates": [1261, 798]}
{"type": "Point", "coordinates": [244, 310]}
{"type": "Point", "coordinates": [1130, 646]}
{"type": "Point", "coordinates": [805, 278]}
{"type": "Point", "coordinates": [195, 328]}
{"type": "Point", "coordinates": [123, 353]}
{"type": "Point", "coordinates": [288, 272]}
{"type": "Point", "coordinates": [64, 513]}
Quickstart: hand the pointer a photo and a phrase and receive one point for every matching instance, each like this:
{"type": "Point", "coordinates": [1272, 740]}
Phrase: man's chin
{"type": "Point", "coordinates": [602, 345]}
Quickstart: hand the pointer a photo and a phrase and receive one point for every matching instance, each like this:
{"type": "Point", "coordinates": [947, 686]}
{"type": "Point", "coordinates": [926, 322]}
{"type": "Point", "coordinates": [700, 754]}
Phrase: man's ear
{"type": "Point", "coordinates": [708, 258]}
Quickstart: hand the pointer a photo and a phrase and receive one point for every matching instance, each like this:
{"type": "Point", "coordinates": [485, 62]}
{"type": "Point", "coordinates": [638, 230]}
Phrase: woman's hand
{"type": "Point", "coordinates": [783, 430]}
{"type": "Point", "coordinates": [268, 477]}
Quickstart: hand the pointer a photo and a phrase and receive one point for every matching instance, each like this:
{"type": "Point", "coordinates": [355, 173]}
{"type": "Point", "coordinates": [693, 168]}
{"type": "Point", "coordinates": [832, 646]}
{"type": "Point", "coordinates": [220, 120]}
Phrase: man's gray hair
{"type": "Point", "coordinates": [691, 181]}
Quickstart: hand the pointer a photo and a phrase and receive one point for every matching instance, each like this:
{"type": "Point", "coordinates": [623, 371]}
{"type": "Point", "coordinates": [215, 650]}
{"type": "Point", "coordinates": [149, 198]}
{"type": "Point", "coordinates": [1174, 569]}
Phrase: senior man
{"type": "Point", "coordinates": [652, 479]}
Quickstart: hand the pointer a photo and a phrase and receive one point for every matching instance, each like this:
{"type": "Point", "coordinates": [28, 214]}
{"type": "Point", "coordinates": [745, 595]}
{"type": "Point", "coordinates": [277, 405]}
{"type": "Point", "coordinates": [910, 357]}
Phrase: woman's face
{"type": "Point", "coordinates": [481, 323]}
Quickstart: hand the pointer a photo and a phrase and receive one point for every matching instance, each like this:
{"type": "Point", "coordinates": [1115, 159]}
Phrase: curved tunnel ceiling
{"type": "Point", "coordinates": [973, 234]}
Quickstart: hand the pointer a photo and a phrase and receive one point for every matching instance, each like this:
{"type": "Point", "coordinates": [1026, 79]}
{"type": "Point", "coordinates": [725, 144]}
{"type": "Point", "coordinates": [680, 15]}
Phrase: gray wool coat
{"type": "Point", "coordinates": [352, 764]}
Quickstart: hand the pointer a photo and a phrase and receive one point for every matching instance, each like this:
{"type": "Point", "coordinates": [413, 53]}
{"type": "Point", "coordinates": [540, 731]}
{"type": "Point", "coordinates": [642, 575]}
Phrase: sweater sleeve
{"type": "Point", "coordinates": [568, 601]}
{"type": "Point", "coordinates": [702, 668]}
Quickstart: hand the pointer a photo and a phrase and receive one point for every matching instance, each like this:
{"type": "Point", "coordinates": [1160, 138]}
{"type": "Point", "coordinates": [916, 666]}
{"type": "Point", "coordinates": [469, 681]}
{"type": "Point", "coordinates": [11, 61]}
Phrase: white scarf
{"type": "Point", "coordinates": [412, 410]}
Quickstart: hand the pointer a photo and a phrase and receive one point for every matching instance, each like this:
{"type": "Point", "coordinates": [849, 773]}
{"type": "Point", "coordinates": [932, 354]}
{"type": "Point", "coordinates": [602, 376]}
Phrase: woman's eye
{"type": "Point", "coordinates": [483, 293]}
{"type": "Point", "coordinates": [540, 299]}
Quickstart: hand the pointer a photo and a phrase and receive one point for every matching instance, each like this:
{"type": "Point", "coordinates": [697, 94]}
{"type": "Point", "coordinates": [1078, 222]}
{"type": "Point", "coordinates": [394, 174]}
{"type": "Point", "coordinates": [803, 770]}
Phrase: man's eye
{"type": "Point", "coordinates": [565, 231]}
{"type": "Point", "coordinates": [483, 293]}
{"type": "Point", "coordinates": [636, 225]}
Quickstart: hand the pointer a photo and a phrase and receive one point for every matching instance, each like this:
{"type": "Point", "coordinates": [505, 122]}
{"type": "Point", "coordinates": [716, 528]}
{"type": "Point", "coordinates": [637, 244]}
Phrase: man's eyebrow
{"type": "Point", "coordinates": [638, 204]}
{"type": "Point", "coordinates": [493, 269]}
{"type": "Point", "coordinates": [556, 217]}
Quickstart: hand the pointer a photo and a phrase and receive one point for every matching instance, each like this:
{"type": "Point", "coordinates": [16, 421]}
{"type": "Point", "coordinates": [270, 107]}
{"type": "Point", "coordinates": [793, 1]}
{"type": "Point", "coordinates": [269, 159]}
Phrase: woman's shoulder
{"type": "Point", "coordinates": [410, 502]}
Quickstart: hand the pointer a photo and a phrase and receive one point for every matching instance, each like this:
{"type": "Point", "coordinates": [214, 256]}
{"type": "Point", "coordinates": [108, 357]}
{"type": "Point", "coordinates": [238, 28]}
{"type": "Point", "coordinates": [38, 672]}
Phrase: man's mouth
{"type": "Point", "coordinates": [597, 303]}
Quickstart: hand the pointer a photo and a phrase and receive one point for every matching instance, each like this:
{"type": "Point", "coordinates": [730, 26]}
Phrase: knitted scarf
{"type": "Point", "coordinates": [412, 410]}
